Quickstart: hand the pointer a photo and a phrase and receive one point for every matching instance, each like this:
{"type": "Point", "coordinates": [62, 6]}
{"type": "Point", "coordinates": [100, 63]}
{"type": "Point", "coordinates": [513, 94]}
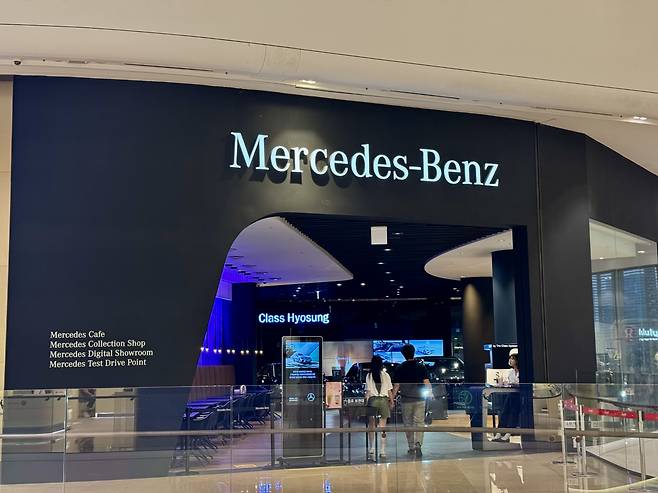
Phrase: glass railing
{"type": "Point", "coordinates": [447, 437]}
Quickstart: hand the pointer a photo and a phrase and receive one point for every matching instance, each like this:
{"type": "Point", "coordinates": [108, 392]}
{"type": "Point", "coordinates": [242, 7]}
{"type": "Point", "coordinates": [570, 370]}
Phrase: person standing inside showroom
{"type": "Point", "coordinates": [411, 380]}
{"type": "Point", "coordinates": [379, 397]}
{"type": "Point", "coordinates": [509, 418]}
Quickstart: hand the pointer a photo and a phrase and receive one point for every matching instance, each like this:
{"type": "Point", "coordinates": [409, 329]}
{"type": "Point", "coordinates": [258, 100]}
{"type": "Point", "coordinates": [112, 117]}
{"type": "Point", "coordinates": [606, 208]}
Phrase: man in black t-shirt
{"type": "Point", "coordinates": [412, 381]}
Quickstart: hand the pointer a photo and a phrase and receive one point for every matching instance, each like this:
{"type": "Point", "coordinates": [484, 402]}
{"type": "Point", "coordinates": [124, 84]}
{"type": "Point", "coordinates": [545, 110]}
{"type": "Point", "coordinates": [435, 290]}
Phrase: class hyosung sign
{"type": "Point", "coordinates": [294, 318]}
{"type": "Point", "coordinates": [427, 166]}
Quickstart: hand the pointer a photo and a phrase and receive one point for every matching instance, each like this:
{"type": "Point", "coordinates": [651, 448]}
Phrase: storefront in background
{"type": "Point", "coordinates": [126, 197]}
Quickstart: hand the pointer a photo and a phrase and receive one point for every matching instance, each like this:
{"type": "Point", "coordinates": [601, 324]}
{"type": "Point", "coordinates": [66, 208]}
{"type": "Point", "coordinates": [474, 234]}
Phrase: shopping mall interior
{"type": "Point", "coordinates": [281, 247]}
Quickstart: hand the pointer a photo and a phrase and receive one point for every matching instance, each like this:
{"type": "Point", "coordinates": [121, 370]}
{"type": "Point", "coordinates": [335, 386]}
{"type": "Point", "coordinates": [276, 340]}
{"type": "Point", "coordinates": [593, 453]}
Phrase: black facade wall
{"type": "Point", "coordinates": [124, 205]}
{"type": "Point", "coordinates": [621, 193]}
{"type": "Point", "coordinates": [565, 257]}
{"type": "Point", "coordinates": [122, 198]}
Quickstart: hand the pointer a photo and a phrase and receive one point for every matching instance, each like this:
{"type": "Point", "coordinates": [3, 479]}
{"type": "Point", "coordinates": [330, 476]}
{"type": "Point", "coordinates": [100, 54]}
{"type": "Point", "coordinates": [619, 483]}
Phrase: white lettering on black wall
{"type": "Point", "coordinates": [364, 163]}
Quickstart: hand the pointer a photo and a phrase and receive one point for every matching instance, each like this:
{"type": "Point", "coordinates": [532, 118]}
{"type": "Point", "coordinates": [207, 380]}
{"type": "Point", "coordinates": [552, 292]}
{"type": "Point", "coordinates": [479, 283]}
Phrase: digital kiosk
{"type": "Point", "coordinates": [303, 397]}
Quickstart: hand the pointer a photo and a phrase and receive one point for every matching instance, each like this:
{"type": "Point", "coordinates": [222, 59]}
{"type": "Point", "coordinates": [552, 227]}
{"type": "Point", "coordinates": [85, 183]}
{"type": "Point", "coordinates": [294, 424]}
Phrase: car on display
{"type": "Point", "coordinates": [424, 351]}
{"type": "Point", "coordinates": [301, 359]}
{"type": "Point", "coordinates": [444, 369]}
{"type": "Point", "coordinates": [446, 373]}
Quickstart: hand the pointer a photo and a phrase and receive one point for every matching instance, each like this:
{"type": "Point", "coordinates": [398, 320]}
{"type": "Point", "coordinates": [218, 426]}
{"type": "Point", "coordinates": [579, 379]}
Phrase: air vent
{"type": "Point", "coordinates": [171, 67]}
{"type": "Point", "coordinates": [575, 112]}
{"type": "Point", "coordinates": [423, 94]}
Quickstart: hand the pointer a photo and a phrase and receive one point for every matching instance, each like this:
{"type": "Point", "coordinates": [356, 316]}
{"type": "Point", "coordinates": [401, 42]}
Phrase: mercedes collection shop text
{"type": "Point", "coordinates": [91, 349]}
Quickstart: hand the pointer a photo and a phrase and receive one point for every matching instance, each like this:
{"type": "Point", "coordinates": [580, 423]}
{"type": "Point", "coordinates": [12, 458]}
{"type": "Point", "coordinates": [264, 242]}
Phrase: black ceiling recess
{"type": "Point", "coordinates": [393, 271]}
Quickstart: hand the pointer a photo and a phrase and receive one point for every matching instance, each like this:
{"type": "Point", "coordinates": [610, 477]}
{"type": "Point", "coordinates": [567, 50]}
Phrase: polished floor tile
{"type": "Point", "coordinates": [516, 473]}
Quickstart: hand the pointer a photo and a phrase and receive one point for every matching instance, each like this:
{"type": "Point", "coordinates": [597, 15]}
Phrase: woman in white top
{"type": "Point", "coordinates": [509, 418]}
{"type": "Point", "coordinates": [379, 395]}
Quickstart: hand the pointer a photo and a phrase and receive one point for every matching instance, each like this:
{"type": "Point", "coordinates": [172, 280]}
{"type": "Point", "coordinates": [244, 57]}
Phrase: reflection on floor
{"type": "Point", "coordinates": [625, 453]}
{"type": "Point", "coordinates": [517, 473]}
{"type": "Point", "coordinates": [254, 451]}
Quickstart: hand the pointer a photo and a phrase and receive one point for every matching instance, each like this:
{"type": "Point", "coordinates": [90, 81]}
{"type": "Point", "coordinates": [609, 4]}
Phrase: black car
{"type": "Point", "coordinates": [446, 375]}
{"type": "Point", "coordinates": [444, 369]}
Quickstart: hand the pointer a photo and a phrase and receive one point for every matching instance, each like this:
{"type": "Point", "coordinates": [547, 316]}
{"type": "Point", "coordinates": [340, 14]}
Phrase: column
{"type": "Point", "coordinates": [477, 324]}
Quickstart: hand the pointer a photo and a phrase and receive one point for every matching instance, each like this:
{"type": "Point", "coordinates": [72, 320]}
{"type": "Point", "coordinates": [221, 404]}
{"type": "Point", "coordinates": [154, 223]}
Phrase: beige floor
{"type": "Point", "coordinates": [519, 473]}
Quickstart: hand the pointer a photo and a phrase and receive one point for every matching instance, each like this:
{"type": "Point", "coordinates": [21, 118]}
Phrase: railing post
{"type": "Point", "coordinates": [186, 440]}
{"type": "Point", "coordinates": [643, 461]}
{"type": "Point", "coordinates": [579, 439]}
{"type": "Point", "coordinates": [272, 440]}
{"type": "Point", "coordinates": [640, 441]}
{"type": "Point", "coordinates": [562, 437]}
{"type": "Point", "coordinates": [583, 441]}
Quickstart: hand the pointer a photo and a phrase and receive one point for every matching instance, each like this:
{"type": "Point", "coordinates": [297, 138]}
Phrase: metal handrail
{"type": "Point", "coordinates": [611, 401]}
{"type": "Point", "coordinates": [314, 431]}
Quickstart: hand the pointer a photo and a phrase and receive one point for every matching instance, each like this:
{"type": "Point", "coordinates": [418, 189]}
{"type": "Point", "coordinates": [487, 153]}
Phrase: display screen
{"type": "Point", "coordinates": [302, 355]}
{"type": "Point", "coordinates": [429, 347]}
{"type": "Point", "coordinates": [302, 360]}
{"type": "Point", "coordinates": [389, 350]}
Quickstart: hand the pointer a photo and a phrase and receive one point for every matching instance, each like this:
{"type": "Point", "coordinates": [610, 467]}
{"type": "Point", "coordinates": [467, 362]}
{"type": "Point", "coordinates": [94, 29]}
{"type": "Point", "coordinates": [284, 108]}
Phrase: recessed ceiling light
{"type": "Point", "coordinates": [641, 251]}
{"type": "Point", "coordinates": [387, 296]}
{"type": "Point", "coordinates": [387, 272]}
{"type": "Point", "coordinates": [400, 287]}
{"type": "Point", "coordinates": [307, 81]}
{"type": "Point", "coordinates": [380, 263]}
{"type": "Point", "coordinates": [392, 280]}
{"type": "Point", "coordinates": [339, 284]}
{"type": "Point", "coordinates": [387, 249]}
{"type": "Point", "coordinates": [363, 284]}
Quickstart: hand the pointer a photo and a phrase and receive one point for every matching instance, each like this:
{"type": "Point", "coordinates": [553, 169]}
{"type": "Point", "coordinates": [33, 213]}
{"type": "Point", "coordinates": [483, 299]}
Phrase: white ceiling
{"type": "Point", "coordinates": [614, 249]}
{"type": "Point", "coordinates": [610, 249]}
{"type": "Point", "coordinates": [272, 252]}
{"type": "Point", "coordinates": [587, 66]}
{"type": "Point", "coordinates": [469, 260]}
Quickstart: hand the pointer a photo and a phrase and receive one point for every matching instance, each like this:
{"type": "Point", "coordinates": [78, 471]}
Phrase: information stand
{"type": "Point", "coordinates": [303, 399]}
